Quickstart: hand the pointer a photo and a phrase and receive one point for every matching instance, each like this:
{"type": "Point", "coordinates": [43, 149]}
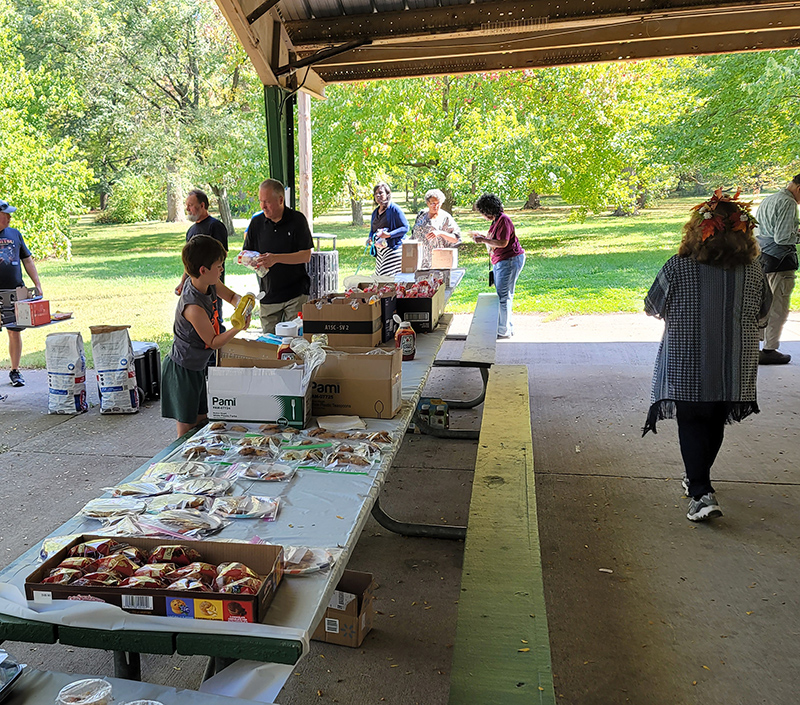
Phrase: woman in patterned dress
{"type": "Point", "coordinates": [387, 229]}
{"type": "Point", "coordinates": [714, 300]}
{"type": "Point", "coordinates": [434, 227]}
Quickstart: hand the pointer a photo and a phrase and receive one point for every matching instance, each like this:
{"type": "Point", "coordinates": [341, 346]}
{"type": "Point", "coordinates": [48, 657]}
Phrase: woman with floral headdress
{"type": "Point", "coordinates": [714, 300]}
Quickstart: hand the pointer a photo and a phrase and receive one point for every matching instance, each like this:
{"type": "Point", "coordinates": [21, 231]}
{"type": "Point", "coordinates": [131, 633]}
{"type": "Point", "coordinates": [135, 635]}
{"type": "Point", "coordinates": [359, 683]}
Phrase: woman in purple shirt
{"type": "Point", "coordinates": [508, 257]}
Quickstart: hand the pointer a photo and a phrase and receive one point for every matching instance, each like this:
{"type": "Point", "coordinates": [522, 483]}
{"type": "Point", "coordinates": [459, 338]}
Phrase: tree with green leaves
{"type": "Point", "coordinates": [45, 177]}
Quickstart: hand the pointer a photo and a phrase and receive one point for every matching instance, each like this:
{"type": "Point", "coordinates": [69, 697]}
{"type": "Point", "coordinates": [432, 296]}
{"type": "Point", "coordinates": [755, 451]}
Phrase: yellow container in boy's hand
{"type": "Point", "coordinates": [244, 309]}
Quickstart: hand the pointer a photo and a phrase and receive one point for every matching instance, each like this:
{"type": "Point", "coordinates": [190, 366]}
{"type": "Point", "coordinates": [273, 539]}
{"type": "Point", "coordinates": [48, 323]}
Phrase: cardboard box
{"type": "Point", "coordinates": [344, 325]}
{"type": "Point", "coordinates": [32, 312]}
{"type": "Point", "coordinates": [243, 349]}
{"type": "Point", "coordinates": [388, 309]}
{"type": "Point", "coordinates": [422, 314]}
{"type": "Point", "coordinates": [444, 258]}
{"type": "Point", "coordinates": [250, 384]}
{"type": "Point", "coordinates": [424, 274]}
{"type": "Point", "coordinates": [266, 560]}
{"type": "Point", "coordinates": [269, 391]}
{"type": "Point", "coordinates": [358, 382]}
{"type": "Point", "coordinates": [412, 257]}
{"type": "Point", "coordinates": [348, 618]}
{"type": "Point", "coordinates": [9, 296]}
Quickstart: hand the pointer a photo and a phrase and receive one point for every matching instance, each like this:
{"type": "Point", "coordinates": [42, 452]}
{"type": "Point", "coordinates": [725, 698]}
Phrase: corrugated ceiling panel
{"type": "Point", "coordinates": [387, 5]}
{"type": "Point", "coordinates": [291, 10]}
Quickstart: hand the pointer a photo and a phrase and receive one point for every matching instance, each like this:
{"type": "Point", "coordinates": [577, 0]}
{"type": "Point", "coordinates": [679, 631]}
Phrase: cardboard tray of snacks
{"type": "Point", "coordinates": [266, 560]}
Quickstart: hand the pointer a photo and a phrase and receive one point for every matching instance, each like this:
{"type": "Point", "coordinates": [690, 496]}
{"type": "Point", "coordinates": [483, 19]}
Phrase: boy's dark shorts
{"type": "Point", "coordinates": [184, 396]}
{"type": "Point", "coordinates": [7, 316]}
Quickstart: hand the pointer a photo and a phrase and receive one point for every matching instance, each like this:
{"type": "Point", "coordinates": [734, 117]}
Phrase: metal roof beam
{"type": "Point", "coordinates": [458, 49]}
{"type": "Point", "coordinates": [319, 56]}
{"type": "Point", "coordinates": [554, 56]}
{"type": "Point", "coordinates": [261, 10]}
{"type": "Point", "coordinates": [507, 16]}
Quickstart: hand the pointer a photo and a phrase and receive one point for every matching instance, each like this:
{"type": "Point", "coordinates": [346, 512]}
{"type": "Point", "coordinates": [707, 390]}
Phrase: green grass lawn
{"type": "Point", "coordinates": [126, 274]}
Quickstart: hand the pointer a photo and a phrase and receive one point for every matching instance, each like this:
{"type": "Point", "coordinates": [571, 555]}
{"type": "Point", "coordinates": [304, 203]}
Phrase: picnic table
{"type": "Point", "coordinates": [318, 510]}
{"type": "Point", "coordinates": [41, 688]}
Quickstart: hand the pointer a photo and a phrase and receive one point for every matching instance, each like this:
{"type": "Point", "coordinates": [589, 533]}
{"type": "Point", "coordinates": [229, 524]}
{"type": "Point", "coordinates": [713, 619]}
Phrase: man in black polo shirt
{"type": "Point", "coordinates": [283, 238]}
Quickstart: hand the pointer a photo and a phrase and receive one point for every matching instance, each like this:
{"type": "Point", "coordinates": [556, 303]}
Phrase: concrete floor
{"type": "Point", "coordinates": [690, 613]}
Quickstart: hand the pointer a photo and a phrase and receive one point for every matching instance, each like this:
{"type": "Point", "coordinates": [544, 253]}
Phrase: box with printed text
{"type": "Point", "coordinates": [422, 314]}
{"type": "Point", "coordinates": [348, 618]}
{"type": "Point", "coordinates": [250, 384]}
{"type": "Point", "coordinates": [32, 312]}
{"type": "Point", "coordinates": [346, 322]}
{"type": "Point", "coordinates": [264, 559]}
{"type": "Point", "coordinates": [363, 382]}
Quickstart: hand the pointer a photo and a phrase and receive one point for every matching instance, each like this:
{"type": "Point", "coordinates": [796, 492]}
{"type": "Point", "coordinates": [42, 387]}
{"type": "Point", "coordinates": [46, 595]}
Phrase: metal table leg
{"type": "Point", "coordinates": [437, 432]}
{"type": "Point", "coordinates": [127, 664]}
{"type": "Point", "coordinates": [215, 665]}
{"type": "Point", "coordinates": [428, 531]}
{"type": "Point", "coordinates": [469, 403]}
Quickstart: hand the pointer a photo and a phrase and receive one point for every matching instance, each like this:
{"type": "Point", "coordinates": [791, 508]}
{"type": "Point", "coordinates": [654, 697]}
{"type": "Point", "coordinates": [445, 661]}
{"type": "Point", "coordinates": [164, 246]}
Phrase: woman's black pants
{"type": "Point", "coordinates": [701, 427]}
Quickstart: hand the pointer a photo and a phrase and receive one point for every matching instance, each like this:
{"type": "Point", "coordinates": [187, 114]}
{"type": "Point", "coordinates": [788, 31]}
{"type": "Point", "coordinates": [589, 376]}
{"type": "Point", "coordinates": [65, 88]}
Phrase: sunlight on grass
{"type": "Point", "coordinates": [126, 274]}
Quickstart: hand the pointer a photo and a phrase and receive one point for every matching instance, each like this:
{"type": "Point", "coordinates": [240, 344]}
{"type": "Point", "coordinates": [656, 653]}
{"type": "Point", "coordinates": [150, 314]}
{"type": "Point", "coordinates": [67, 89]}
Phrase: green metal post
{"type": "Point", "coordinates": [279, 112]}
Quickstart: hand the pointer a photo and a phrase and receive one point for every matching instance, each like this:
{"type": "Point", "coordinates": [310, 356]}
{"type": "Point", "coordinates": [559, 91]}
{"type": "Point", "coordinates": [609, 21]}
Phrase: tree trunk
{"type": "Point", "coordinates": [449, 200]}
{"type": "Point", "coordinates": [356, 207]}
{"type": "Point", "coordinates": [175, 198]}
{"type": "Point", "coordinates": [414, 196]}
{"type": "Point", "coordinates": [103, 200]}
{"type": "Point", "coordinates": [533, 203]}
{"type": "Point", "coordinates": [224, 209]}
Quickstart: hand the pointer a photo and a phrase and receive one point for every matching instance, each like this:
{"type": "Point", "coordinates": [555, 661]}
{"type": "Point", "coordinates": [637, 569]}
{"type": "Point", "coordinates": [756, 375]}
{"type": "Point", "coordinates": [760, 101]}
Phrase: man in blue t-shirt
{"type": "Point", "coordinates": [13, 253]}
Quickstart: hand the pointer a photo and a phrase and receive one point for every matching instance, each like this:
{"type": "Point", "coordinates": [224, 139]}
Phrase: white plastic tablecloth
{"type": "Point", "coordinates": [317, 509]}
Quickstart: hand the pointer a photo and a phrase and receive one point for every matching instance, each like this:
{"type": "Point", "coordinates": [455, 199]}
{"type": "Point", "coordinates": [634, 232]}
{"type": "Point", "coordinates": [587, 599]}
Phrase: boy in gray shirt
{"type": "Point", "coordinates": [196, 334]}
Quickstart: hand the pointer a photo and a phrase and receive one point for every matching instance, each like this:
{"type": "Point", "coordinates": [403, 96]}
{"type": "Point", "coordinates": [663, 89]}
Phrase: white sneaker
{"type": "Point", "coordinates": [704, 508]}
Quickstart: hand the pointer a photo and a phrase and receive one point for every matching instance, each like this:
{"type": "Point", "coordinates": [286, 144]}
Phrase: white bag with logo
{"type": "Point", "coordinates": [66, 373]}
{"type": "Point", "coordinates": [116, 371]}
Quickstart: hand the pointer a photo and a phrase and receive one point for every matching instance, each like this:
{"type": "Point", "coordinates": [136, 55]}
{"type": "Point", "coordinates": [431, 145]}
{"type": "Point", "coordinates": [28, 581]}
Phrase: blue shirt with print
{"type": "Point", "coordinates": [12, 251]}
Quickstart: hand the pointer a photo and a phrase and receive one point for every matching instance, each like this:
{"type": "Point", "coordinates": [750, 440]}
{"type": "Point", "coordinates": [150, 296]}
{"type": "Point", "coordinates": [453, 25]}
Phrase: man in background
{"type": "Point", "coordinates": [777, 237]}
{"type": "Point", "coordinates": [14, 255]}
{"type": "Point", "coordinates": [282, 236]}
{"type": "Point", "coordinates": [204, 224]}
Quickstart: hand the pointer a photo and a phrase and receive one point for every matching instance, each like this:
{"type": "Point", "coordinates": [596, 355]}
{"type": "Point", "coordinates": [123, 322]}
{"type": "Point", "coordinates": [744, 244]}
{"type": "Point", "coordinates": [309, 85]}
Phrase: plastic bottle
{"type": "Point", "coordinates": [285, 351]}
{"type": "Point", "coordinates": [243, 310]}
{"type": "Point", "coordinates": [299, 322]}
{"type": "Point", "coordinates": [406, 340]}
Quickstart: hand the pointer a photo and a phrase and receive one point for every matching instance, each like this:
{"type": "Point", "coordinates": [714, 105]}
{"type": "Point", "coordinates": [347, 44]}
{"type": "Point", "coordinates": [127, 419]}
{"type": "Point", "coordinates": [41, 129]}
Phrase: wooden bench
{"type": "Point", "coordinates": [502, 647]}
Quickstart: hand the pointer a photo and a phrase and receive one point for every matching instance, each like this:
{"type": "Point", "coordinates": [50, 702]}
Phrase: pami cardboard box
{"type": "Point", "coordinates": [359, 382]}
{"type": "Point", "coordinates": [348, 618]}
{"type": "Point", "coordinates": [250, 384]}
